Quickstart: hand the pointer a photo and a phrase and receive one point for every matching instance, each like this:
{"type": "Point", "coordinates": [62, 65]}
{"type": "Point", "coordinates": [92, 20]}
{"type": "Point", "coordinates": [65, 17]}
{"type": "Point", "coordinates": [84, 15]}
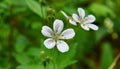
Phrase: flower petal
{"type": "Point", "coordinates": [67, 34]}
{"type": "Point", "coordinates": [76, 17]}
{"type": "Point", "coordinates": [84, 27]}
{"type": "Point", "coordinates": [81, 13]}
{"type": "Point", "coordinates": [49, 43]}
{"type": "Point", "coordinates": [90, 19]}
{"type": "Point", "coordinates": [65, 14]}
{"type": "Point", "coordinates": [58, 26]}
{"type": "Point", "coordinates": [47, 31]}
{"type": "Point", "coordinates": [62, 46]}
{"type": "Point", "coordinates": [72, 22]}
{"type": "Point", "coordinates": [92, 26]}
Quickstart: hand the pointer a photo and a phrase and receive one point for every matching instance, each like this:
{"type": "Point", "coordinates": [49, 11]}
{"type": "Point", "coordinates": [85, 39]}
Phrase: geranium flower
{"type": "Point", "coordinates": [71, 20]}
{"type": "Point", "coordinates": [56, 35]}
{"type": "Point", "coordinates": [85, 22]}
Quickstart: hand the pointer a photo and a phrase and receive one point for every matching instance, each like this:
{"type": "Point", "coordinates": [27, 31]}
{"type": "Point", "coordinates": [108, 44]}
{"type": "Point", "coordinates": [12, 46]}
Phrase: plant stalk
{"type": "Point", "coordinates": [114, 62]}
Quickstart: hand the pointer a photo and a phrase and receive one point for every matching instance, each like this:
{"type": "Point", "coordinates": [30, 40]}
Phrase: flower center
{"type": "Point", "coordinates": [82, 21]}
{"type": "Point", "coordinates": [56, 36]}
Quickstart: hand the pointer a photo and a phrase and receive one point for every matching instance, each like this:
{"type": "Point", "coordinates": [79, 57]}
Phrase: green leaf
{"type": "Point", "coordinates": [20, 43]}
{"type": "Point", "coordinates": [107, 56]}
{"type": "Point", "coordinates": [33, 51]}
{"type": "Point", "coordinates": [61, 60]}
{"type": "Point", "coordinates": [85, 42]}
{"type": "Point", "coordinates": [3, 68]}
{"type": "Point", "coordinates": [22, 58]}
{"type": "Point", "coordinates": [15, 2]}
{"type": "Point", "coordinates": [90, 63]}
{"type": "Point", "coordinates": [100, 33]}
{"type": "Point", "coordinates": [102, 10]}
{"type": "Point", "coordinates": [36, 25]}
{"type": "Point", "coordinates": [31, 66]}
{"type": "Point", "coordinates": [36, 8]}
{"type": "Point", "coordinates": [67, 56]}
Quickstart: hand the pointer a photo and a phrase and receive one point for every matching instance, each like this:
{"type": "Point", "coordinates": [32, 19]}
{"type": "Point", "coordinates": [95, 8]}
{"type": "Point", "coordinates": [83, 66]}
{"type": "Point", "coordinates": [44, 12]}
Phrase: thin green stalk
{"type": "Point", "coordinates": [114, 62]}
{"type": "Point", "coordinates": [44, 67]}
{"type": "Point", "coordinates": [53, 64]}
{"type": "Point", "coordinates": [53, 53]}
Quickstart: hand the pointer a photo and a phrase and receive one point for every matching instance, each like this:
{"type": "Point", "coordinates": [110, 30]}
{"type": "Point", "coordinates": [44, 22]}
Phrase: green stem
{"type": "Point", "coordinates": [44, 67]}
{"type": "Point", "coordinates": [114, 62]}
{"type": "Point", "coordinates": [53, 62]}
{"type": "Point", "coordinates": [10, 38]}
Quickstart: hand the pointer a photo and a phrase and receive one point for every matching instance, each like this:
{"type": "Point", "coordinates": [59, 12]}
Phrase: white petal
{"type": "Point", "coordinates": [49, 43]}
{"type": "Point", "coordinates": [72, 22]}
{"type": "Point", "coordinates": [81, 13]}
{"type": "Point", "coordinates": [47, 31]}
{"type": "Point", "coordinates": [92, 26]}
{"type": "Point", "coordinates": [84, 27]}
{"type": "Point", "coordinates": [76, 17]}
{"type": "Point", "coordinates": [58, 26]}
{"type": "Point", "coordinates": [67, 34]}
{"type": "Point", "coordinates": [90, 19]}
{"type": "Point", "coordinates": [65, 14]}
{"type": "Point", "coordinates": [62, 46]}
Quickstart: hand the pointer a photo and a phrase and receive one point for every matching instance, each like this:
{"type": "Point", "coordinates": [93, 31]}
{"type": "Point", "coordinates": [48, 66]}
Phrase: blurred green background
{"type": "Point", "coordinates": [21, 41]}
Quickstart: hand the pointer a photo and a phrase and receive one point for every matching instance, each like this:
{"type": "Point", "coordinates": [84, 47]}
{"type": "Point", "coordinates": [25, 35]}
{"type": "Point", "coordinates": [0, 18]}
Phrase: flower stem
{"type": "Point", "coordinates": [44, 67]}
{"type": "Point", "coordinates": [53, 62]}
{"type": "Point", "coordinates": [114, 62]}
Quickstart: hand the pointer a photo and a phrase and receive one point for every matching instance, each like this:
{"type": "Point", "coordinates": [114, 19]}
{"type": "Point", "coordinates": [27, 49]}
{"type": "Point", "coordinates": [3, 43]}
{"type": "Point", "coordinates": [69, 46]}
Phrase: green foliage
{"type": "Point", "coordinates": [22, 44]}
{"type": "Point", "coordinates": [107, 56]}
{"type": "Point", "coordinates": [35, 66]}
{"type": "Point", "coordinates": [36, 8]}
{"type": "Point", "coordinates": [100, 33]}
{"type": "Point", "coordinates": [68, 58]}
{"type": "Point", "coordinates": [102, 10]}
{"type": "Point", "coordinates": [57, 58]}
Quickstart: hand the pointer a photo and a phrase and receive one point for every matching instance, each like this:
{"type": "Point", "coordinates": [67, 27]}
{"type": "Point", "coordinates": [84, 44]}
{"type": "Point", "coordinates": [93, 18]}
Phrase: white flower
{"type": "Point", "coordinates": [56, 35]}
{"type": "Point", "coordinates": [71, 20]}
{"type": "Point", "coordinates": [86, 22]}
